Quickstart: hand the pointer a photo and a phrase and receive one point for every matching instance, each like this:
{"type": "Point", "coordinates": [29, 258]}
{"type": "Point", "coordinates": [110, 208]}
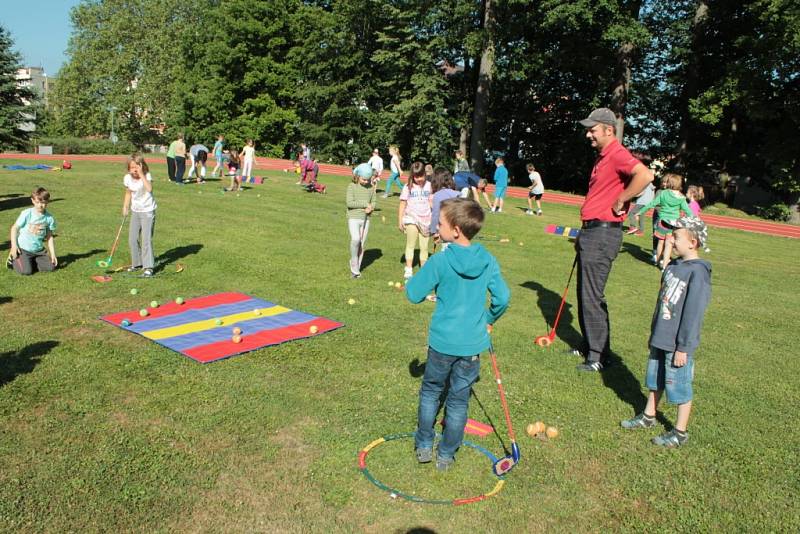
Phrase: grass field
{"type": "Point", "coordinates": [101, 430]}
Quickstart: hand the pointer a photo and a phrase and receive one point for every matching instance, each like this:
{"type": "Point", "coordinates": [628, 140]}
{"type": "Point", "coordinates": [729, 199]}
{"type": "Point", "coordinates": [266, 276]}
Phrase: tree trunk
{"type": "Point", "coordinates": [479, 115]}
{"type": "Point", "coordinates": [692, 80]}
{"type": "Point", "coordinates": [463, 139]}
{"type": "Point", "coordinates": [619, 93]}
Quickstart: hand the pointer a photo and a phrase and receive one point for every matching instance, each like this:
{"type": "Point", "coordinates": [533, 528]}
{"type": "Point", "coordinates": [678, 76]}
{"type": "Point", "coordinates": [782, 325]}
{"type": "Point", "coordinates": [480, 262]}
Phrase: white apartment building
{"type": "Point", "coordinates": [36, 79]}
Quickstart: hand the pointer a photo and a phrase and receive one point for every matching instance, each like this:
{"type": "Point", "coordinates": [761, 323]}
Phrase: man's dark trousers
{"type": "Point", "coordinates": [597, 249]}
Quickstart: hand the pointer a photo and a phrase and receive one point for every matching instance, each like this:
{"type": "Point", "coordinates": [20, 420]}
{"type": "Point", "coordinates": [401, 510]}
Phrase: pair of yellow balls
{"type": "Point", "coordinates": [538, 428]}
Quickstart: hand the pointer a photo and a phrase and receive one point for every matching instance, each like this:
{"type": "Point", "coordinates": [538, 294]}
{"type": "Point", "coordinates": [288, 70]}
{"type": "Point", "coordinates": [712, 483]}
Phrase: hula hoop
{"type": "Point", "coordinates": [362, 465]}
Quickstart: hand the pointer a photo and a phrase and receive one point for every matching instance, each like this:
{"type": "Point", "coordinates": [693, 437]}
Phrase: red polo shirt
{"type": "Point", "coordinates": [611, 173]}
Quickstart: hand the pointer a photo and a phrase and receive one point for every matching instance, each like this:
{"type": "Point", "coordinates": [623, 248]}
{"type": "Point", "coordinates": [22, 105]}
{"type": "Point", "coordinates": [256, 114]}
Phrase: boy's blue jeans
{"type": "Point", "coordinates": [455, 374]}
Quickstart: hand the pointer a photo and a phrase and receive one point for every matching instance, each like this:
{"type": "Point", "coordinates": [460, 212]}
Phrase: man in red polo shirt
{"type": "Point", "coordinates": [616, 178]}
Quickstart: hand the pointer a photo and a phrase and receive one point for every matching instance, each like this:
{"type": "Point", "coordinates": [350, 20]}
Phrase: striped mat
{"type": "Point", "coordinates": [203, 328]}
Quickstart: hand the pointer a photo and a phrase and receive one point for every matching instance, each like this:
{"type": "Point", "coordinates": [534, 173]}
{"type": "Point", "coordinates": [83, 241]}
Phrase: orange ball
{"type": "Point", "coordinates": [535, 429]}
{"type": "Point", "coordinates": [236, 339]}
{"type": "Point", "coordinates": [237, 331]}
{"type": "Point", "coordinates": [552, 432]}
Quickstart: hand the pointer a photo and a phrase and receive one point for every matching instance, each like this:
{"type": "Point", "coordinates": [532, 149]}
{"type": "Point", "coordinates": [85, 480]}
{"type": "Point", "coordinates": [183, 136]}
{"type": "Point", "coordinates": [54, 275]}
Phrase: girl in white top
{"type": "Point", "coordinates": [414, 216]}
{"type": "Point", "coordinates": [141, 205]}
{"type": "Point", "coordinates": [248, 158]}
{"type": "Point", "coordinates": [535, 191]}
{"type": "Point", "coordinates": [395, 165]}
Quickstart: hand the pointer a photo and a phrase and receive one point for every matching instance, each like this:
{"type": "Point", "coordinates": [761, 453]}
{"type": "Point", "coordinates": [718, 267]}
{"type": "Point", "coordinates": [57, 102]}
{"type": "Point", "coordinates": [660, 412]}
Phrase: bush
{"type": "Point", "coordinates": [775, 212]}
{"type": "Point", "coordinates": [79, 145]}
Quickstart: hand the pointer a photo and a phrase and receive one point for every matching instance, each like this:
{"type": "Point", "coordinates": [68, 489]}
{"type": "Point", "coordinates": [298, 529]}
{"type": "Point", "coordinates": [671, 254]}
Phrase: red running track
{"type": "Point", "coordinates": [270, 164]}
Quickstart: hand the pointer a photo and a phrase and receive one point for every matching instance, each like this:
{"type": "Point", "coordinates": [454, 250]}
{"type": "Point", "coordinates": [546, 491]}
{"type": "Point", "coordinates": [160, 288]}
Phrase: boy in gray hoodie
{"type": "Point", "coordinates": [675, 331]}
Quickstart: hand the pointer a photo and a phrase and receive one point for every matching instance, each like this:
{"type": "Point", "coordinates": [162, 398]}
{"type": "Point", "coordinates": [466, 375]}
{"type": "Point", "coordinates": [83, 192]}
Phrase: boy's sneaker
{"type": "Point", "coordinates": [671, 439]}
{"type": "Point", "coordinates": [10, 261]}
{"type": "Point", "coordinates": [575, 352]}
{"type": "Point", "coordinates": [148, 273]}
{"type": "Point", "coordinates": [654, 259]}
{"type": "Point", "coordinates": [408, 273]}
{"type": "Point", "coordinates": [424, 456]}
{"type": "Point", "coordinates": [632, 230]}
{"type": "Point", "coordinates": [443, 464]}
{"type": "Point", "coordinates": [133, 268]}
{"type": "Point", "coordinates": [528, 212]}
{"type": "Point", "coordinates": [355, 276]}
{"type": "Point", "coordinates": [640, 421]}
{"type": "Point", "coordinates": [538, 212]}
{"type": "Point", "coordinates": [590, 367]}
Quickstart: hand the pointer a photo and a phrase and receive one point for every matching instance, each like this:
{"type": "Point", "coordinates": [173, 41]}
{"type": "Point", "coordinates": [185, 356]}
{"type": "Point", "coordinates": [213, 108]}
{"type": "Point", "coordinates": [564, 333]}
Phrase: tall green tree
{"type": "Point", "coordinates": [238, 80]}
{"type": "Point", "coordinates": [123, 54]}
{"type": "Point", "coordinates": [16, 103]}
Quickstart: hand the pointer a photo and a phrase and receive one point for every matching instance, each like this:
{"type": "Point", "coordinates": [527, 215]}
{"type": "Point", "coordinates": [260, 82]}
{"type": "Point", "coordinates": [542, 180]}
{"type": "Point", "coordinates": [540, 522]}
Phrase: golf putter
{"type": "Point", "coordinates": [107, 262]}
{"type": "Point", "coordinates": [545, 341]}
{"type": "Point", "coordinates": [361, 241]}
{"type": "Point", "coordinates": [506, 463]}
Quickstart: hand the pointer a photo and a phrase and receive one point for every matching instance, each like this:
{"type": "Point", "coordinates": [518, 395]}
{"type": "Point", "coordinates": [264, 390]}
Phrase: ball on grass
{"type": "Point", "coordinates": [351, 301]}
{"type": "Point", "coordinates": [154, 304]}
{"type": "Point", "coordinates": [143, 312]}
{"type": "Point", "coordinates": [313, 329]}
{"type": "Point", "coordinates": [237, 331]}
{"type": "Point", "coordinates": [391, 284]}
{"type": "Point", "coordinates": [551, 432]}
{"type": "Point", "coordinates": [535, 429]}
{"type": "Point", "coordinates": [398, 285]}
{"type": "Point", "coordinates": [236, 339]}
{"type": "Point", "coordinates": [179, 301]}
{"type": "Point", "coordinates": [134, 291]}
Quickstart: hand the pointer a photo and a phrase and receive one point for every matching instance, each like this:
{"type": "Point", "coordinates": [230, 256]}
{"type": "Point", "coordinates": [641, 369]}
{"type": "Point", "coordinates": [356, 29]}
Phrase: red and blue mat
{"type": "Point", "coordinates": [202, 328]}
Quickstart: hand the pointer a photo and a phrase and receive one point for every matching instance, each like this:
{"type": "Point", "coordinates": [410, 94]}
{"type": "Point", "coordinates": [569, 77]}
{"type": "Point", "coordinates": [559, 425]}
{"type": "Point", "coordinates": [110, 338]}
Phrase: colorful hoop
{"type": "Point", "coordinates": [362, 465]}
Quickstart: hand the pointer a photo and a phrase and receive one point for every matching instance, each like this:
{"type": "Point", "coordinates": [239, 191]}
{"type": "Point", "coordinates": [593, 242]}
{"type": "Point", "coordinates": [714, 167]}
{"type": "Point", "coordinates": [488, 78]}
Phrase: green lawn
{"type": "Point", "coordinates": [101, 430]}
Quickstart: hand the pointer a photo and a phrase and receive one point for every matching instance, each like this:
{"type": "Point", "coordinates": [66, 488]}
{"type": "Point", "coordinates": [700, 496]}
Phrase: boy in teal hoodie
{"type": "Point", "coordinates": [461, 275]}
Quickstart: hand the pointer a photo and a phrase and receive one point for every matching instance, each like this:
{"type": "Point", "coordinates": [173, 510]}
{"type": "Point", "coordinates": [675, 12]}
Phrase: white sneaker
{"type": "Point", "coordinates": [538, 212]}
{"type": "Point", "coordinates": [408, 273]}
{"type": "Point", "coordinates": [528, 212]}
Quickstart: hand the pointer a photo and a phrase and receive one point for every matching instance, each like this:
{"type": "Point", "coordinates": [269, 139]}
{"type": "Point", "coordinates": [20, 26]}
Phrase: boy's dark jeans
{"type": "Point", "coordinates": [456, 374]}
{"type": "Point", "coordinates": [30, 262]}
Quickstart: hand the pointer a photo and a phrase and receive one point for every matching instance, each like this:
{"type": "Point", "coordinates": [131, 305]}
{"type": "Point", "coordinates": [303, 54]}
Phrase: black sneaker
{"type": "Point", "coordinates": [590, 367]}
{"type": "Point", "coordinates": [575, 352]}
{"type": "Point", "coordinates": [10, 261]}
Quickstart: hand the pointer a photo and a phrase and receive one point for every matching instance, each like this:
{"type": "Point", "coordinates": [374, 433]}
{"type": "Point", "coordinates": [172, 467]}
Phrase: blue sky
{"type": "Point", "coordinates": [40, 29]}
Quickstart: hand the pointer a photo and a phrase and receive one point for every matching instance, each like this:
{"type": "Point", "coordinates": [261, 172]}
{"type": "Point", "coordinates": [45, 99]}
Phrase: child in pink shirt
{"type": "Point", "coordinates": [414, 216]}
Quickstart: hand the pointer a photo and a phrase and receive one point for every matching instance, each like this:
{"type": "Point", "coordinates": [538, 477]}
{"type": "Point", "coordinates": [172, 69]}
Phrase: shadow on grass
{"type": "Point", "coordinates": [5, 300]}
{"type": "Point", "coordinates": [175, 254]}
{"type": "Point", "coordinates": [618, 378]}
{"type": "Point", "coordinates": [15, 363]}
{"type": "Point", "coordinates": [13, 202]}
{"type": "Point", "coordinates": [416, 368]}
{"type": "Point", "coordinates": [548, 303]}
{"type": "Point", "coordinates": [637, 252]}
{"type": "Point", "coordinates": [63, 261]}
{"type": "Point", "coordinates": [418, 530]}
{"type": "Point", "coordinates": [371, 255]}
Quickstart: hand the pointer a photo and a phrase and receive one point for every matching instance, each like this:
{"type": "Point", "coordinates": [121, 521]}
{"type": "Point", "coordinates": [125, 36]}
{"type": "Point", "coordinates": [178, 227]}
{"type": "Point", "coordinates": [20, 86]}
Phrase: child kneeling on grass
{"type": "Point", "coordinates": [461, 275]}
{"type": "Point", "coordinates": [32, 229]}
{"type": "Point", "coordinates": [675, 332]}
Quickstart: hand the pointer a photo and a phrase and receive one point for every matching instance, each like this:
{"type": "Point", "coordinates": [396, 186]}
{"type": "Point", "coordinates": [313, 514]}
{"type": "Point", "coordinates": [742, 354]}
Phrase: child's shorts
{"type": "Point", "coordinates": [660, 231]}
{"type": "Point", "coordinates": [663, 376]}
{"type": "Point", "coordinates": [537, 196]}
{"type": "Point", "coordinates": [500, 192]}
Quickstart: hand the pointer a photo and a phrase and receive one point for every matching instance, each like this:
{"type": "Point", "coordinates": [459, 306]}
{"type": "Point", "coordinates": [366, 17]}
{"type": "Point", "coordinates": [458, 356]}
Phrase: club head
{"type": "Point", "coordinates": [543, 341]}
{"type": "Point", "coordinates": [102, 263]}
{"type": "Point", "coordinates": [515, 454]}
{"type": "Point", "coordinates": [504, 465]}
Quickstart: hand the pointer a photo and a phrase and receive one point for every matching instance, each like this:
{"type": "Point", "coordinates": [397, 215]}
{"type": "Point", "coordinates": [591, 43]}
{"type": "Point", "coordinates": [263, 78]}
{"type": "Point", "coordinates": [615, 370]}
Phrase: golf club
{"type": "Point", "coordinates": [361, 241]}
{"type": "Point", "coordinates": [108, 261]}
{"type": "Point", "coordinates": [505, 464]}
{"type": "Point", "coordinates": [545, 341]}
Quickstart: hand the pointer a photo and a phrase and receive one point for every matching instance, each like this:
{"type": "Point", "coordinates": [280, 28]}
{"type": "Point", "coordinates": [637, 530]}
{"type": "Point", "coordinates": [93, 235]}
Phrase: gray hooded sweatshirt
{"type": "Point", "coordinates": [682, 301]}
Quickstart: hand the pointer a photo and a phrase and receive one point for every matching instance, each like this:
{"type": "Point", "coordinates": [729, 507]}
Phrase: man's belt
{"type": "Point", "coordinates": [597, 223]}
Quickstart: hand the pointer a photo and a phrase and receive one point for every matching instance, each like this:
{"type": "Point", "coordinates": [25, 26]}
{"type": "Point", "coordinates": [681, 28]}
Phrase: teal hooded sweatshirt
{"type": "Point", "coordinates": [461, 277]}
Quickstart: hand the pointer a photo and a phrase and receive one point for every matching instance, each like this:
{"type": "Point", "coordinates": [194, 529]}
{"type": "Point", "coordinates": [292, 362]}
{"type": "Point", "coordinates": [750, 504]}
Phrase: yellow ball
{"type": "Point", "coordinates": [313, 329]}
{"type": "Point", "coordinates": [398, 285]}
{"type": "Point", "coordinates": [236, 339]}
{"type": "Point", "coordinates": [391, 284]}
{"type": "Point", "coordinates": [552, 432]}
{"type": "Point", "coordinates": [351, 301]}
{"type": "Point", "coordinates": [237, 331]}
